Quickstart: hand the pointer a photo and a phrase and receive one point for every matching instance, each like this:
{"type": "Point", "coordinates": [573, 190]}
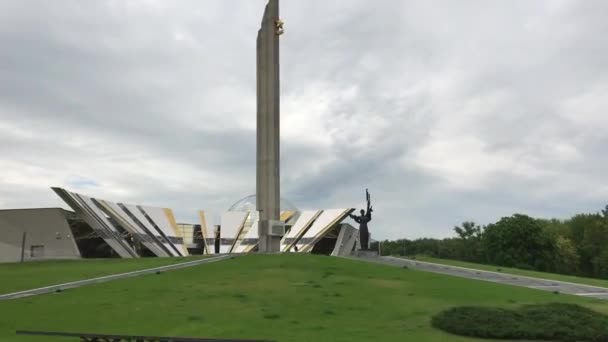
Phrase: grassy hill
{"type": "Point", "coordinates": [281, 297]}
{"type": "Point", "coordinates": [32, 274]}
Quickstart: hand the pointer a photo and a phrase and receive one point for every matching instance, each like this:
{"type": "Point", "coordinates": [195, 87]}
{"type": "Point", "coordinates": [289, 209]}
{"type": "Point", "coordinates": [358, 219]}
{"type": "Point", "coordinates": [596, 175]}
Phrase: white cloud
{"type": "Point", "coordinates": [446, 111]}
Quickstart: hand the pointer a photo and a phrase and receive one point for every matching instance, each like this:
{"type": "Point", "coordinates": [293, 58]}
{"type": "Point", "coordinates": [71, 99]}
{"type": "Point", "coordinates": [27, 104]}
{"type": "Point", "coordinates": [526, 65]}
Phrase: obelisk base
{"type": "Point", "coordinates": [270, 232]}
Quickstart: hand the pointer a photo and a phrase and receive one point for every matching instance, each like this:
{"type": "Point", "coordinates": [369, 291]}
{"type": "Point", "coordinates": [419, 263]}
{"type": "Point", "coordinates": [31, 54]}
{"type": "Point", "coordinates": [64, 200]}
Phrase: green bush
{"type": "Point", "coordinates": [555, 322]}
{"type": "Point", "coordinates": [479, 321]}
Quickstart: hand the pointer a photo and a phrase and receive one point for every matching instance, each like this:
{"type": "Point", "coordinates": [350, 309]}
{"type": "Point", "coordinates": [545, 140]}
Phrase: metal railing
{"type": "Point", "coordinates": [92, 337]}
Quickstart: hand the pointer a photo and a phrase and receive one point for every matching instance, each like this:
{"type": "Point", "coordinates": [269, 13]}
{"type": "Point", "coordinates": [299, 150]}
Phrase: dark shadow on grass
{"type": "Point", "coordinates": [327, 274]}
{"type": "Point", "coordinates": [272, 316]}
{"type": "Point", "coordinates": [241, 297]}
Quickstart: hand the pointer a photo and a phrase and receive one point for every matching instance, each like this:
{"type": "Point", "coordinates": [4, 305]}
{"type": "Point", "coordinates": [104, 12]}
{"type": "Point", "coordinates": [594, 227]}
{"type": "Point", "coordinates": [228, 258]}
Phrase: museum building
{"type": "Point", "coordinates": [98, 228]}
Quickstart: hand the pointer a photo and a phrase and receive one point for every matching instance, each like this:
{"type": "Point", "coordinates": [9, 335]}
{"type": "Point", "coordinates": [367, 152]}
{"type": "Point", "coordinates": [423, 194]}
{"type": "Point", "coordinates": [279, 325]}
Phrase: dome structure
{"type": "Point", "coordinates": [248, 204]}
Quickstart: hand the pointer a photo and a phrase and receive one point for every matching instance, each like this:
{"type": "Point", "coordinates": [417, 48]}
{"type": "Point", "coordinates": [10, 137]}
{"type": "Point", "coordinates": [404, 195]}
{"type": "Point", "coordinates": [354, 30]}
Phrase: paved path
{"type": "Point", "coordinates": [79, 283]}
{"type": "Point", "coordinates": [496, 277]}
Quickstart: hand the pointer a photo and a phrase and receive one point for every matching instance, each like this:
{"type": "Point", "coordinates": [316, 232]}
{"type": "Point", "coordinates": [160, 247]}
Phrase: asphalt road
{"type": "Point", "coordinates": [496, 277]}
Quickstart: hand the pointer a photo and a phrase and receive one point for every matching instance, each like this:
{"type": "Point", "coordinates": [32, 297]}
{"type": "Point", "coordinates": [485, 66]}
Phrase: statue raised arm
{"type": "Point", "coordinates": [368, 212]}
{"type": "Point", "coordinates": [363, 219]}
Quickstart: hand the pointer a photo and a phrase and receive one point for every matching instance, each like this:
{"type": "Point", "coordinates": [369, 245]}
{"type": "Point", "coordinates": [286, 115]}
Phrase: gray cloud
{"type": "Point", "coordinates": [446, 111]}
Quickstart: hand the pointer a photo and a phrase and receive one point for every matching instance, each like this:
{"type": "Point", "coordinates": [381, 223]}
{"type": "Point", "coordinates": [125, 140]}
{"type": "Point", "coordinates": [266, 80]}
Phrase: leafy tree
{"type": "Point", "coordinates": [590, 234]}
{"type": "Point", "coordinates": [605, 212]}
{"type": "Point", "coordinates": [469, 248]}
{"type": "Point", "coordinates": [573, 246]}
{"type": "Point", "coordinates": [468, 230]}
{"type": "Point", "coordinates": [425, 246]}
{"type": "Point", "coordinates": [600, 264]}
{"type": "Point", "coordinates": [514, 241]}
{"type": "Point", "coordinates": [566, 256]}
{"type": "Point", "coordinates": [451, 249]}
{"type": "Point", "coordinates": [554, 227]}
{"type": "Point", "coordinates": [398, 247]}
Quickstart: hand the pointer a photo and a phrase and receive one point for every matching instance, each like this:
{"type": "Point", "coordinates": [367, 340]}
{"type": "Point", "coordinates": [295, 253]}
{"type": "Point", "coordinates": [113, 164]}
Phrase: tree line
{"type": "Point", "coordinates": [575, 246]}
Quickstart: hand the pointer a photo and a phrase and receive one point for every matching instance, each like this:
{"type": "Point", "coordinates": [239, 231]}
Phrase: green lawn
{"type": "Point", "coordinates": [292, 297]}
{"type": "Point", "coordinates": [515, 271]}
{"type": "Point", "coordinates": [17, 277]}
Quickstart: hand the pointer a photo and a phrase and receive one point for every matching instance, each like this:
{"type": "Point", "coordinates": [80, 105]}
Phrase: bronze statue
{"type": "Point", "coordinates": [363, 220]}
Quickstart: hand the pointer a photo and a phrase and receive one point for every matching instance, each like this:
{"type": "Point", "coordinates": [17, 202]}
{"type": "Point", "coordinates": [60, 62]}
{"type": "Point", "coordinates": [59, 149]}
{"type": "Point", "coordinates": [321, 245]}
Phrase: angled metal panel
{"type": "Point", "coordinates": [103, 219]}
{"type": "Point", "coordinates": [287, 215]}
{"type": "Point", "coordinates": [232, 223]}
{"type": "Point", "coordinates": [159, 236]}
{"type": "Point", "coordinates": [252, 217]}
{"type": "Point", "coordinates": [94, 217]}
{"type": "Point", "coordinates": [303, 223]}
{"type": "Point", "coordinates": [117, 213]}
{"type": "Point", "coordinates": [175, 230]}
{"type": "Point", "coordinates": [207, 235]}
{"type": "Point", "coordinates": [249, 241]}
{"type": "Point", "coordinates": [133, 212]}
{"type": "Point", "coordinates": [158, 218]}
{"type": "Point", "coordinates": [328, 219]}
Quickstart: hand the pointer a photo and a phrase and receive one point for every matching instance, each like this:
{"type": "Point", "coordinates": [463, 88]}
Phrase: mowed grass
{"type": "Point", "coordinates": [32, 274]}
{"type": "Point", "coordinates": [291, 297]}
{"type": "Point", "coordinates": [516, 271]}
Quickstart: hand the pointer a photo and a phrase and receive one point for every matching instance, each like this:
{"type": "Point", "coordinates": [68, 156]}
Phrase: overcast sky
{"type": "Point", "coordinates": [446, 110]}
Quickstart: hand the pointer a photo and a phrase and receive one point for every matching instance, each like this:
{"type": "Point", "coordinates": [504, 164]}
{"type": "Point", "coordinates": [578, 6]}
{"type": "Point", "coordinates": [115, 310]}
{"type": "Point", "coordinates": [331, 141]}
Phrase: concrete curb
{"type": "Point", "coordinates": [79, 283]}
{"type": "Point", "coordinates": [542, 284]}
{"type": "Point", "coordinates": [499, 273]}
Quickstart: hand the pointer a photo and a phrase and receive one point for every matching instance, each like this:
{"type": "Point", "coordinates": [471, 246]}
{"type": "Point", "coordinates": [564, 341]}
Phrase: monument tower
{"type": "Point", "coordinates": [270, 229]}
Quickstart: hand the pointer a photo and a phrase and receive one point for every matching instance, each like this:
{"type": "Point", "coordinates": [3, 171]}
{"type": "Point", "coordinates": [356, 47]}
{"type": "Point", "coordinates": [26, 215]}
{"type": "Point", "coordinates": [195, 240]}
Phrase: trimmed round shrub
{"type": "Point", "coordinates": [479, 321]}
{"type": "Point", "coordinates": [552, 322]}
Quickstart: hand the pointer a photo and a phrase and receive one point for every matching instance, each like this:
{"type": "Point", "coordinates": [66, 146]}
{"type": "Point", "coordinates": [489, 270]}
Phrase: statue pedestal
{"type": "Point", "coordinates": [366, 254]}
